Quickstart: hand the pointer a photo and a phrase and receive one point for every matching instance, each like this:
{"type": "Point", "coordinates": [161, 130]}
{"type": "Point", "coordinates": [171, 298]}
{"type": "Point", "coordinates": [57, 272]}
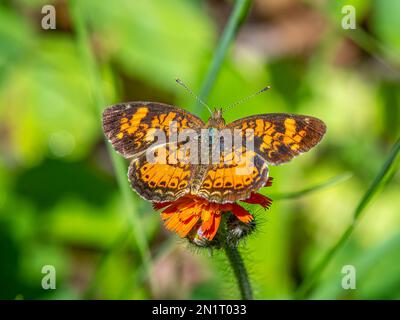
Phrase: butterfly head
{"type": "Point", "coordinates": [216, 120]}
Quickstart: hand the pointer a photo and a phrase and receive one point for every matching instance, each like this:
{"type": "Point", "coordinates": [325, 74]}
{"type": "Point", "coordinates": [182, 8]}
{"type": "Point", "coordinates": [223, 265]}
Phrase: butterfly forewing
{"type": "Point", "coordinates": [130, 126]}
{"type": "Point", "coordinates": [279, 137]}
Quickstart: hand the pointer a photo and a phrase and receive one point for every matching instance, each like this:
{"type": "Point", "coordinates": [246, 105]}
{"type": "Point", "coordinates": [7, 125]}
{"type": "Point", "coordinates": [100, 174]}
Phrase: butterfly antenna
{"type": "Point", "coordinates": [180, 82]}
{"type": "Point", "coordinates": [246, 99]}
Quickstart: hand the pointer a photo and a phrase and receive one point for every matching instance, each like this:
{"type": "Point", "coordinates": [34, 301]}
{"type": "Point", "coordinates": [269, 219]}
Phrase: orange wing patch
{"type": "Point", "coordinates": [130, 126]}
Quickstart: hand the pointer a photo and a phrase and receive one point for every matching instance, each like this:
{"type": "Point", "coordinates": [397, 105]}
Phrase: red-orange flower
{"type": "Point", "coordinates": [191, 213]}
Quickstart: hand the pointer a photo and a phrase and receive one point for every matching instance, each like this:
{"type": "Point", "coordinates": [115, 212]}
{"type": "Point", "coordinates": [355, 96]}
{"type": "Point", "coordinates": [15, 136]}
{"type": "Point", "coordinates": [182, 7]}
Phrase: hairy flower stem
{"type": "Point", "coordinates": [240, 271]}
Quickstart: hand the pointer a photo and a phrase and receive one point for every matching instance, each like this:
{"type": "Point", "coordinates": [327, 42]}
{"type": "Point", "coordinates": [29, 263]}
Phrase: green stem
{"type": "Point", "coordinates": [238, 15]}
{"type": "Point", "coordinates": [382, 178]}
{"type": "Point", "coordinates": [240, 271]}
{"type": "Point", "coordinates": [118, 162]}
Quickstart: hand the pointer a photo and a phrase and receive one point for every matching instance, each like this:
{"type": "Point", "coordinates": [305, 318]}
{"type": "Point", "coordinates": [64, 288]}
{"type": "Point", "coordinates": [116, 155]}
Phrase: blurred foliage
{"type": "Point", "coordinates": [59, 201]}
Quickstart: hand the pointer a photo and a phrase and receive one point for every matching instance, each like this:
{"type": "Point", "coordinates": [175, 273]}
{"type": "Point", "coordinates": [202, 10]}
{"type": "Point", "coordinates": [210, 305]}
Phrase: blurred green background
{"type": "Point", "coordinates": [60, 203]}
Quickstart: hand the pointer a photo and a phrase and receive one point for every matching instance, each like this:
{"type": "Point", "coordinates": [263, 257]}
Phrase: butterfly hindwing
{"type": "Point", "coordinates": [230, 181]}
{"type": "Point", "coordinates": [160, 180]}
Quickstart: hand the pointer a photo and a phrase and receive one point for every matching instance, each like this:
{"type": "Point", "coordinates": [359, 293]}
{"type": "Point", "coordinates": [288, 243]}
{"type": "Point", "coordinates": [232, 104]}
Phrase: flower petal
{"type": "Point", "coordinates": [257, 198]}
{"type": "Point", "coordinates": [269, 182]}
{"type": "Point", "coordinates": [241, 213]}
{"type": "Point", "coordinates": [210, 232]}
{"type": "Point", "coordinates": [186, 226]}
{"type": "Point", "coordinates": [207, 216]}
{"type": "Point", "coordinates": [181, 227]}
{"type": "Point", "coordinates": [160, 205]}
{"type": "Point", "coordinates": [200, 219]}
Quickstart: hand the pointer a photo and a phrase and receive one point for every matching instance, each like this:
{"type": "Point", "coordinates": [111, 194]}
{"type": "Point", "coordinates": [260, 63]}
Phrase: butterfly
{"type": "Point", "coordinates": [276, 138]}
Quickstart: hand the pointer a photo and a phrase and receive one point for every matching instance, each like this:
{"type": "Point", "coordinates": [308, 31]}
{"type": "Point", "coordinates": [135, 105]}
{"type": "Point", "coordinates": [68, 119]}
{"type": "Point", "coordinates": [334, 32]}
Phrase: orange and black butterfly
{"type": "Point", "coordinates": [277, 138]}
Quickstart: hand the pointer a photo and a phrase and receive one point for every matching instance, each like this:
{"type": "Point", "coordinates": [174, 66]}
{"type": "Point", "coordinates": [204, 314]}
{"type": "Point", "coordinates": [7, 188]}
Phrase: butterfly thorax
{"type": "Point", "coordinates": [216, 120]}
